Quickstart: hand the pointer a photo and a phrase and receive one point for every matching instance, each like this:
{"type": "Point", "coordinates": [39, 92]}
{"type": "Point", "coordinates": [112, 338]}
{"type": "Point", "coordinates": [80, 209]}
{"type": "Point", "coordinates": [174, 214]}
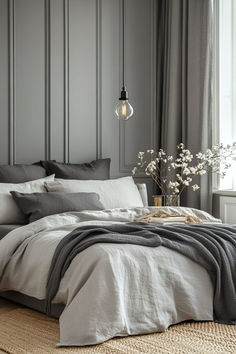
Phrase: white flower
{"type": "Point", "coordinates": [151, 167]}
{"type": "Point", "coordinates": [186, 171]}
{"type": "Point", "coordinates": [193, 170]}
{"type": "Point", "coordinates": [174, 165]}
{"type": "Point", "coordinates": [180, 146]}
{"type": "Point", "coordinates": [140, 154]}
{"type": "Point", "coordinates": [195, 187]}
{"type": "Point", "coordinates": [199, 155]}
{"type": "Point", "coordinates": [200, 166]}
{"type": "Point", "coordinates": [134, 170]}
{"type": "Point", "coordinates": [150, 151]}
{"type": "Point", "coordinates": [186, 183]}
{"type": "Point", "coordinates": [173, 185]}
{"type": "Point", "coordinates": [146, 171]}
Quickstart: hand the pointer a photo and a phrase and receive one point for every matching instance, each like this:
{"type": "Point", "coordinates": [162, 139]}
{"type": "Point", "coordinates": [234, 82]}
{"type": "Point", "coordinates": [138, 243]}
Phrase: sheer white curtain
{"type": "Point", "coordinates": [224, 123]}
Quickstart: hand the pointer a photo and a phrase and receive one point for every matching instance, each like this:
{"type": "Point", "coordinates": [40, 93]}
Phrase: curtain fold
{"type": "Point", "coordinates": [184, 83]}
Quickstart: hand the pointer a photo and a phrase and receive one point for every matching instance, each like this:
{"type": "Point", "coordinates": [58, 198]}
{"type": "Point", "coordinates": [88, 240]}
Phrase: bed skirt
{"type": "Point", "coordinates": [33, 303]}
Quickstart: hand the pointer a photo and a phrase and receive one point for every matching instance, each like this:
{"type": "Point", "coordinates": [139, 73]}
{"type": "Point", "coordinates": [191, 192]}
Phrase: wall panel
{"type": "Point", "coordinates": [61, 69]}
{"type": "Point", "coordinates": [110, 83]}
{"type": "Point", "coordinates": [82, 80]}
{"type": "Point", "coordinates": [138, 134]}
{"type": "Point", "coordinates": [4, 83]}
{"type": "Point", "coordinates": [29, 80]}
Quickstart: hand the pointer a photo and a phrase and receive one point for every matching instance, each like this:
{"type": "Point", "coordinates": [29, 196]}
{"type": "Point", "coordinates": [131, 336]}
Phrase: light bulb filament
{"type": "Point", "coordinates": [124, 109]}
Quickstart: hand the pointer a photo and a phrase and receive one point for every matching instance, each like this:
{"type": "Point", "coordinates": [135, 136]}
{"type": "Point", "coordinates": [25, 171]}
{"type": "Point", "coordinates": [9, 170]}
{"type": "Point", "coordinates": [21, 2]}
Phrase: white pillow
{"type": "Point", "coordinates": [142, 188]}
{"type": "Point", "coordinates": [9, 211]}
{"type": "Point", "coordinates": [114, 193]}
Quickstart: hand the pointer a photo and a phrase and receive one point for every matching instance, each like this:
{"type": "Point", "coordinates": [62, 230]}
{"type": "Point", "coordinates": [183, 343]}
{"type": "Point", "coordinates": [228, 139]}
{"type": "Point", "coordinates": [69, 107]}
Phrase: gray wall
{"type": "Point", "coordinates": [60, 74]}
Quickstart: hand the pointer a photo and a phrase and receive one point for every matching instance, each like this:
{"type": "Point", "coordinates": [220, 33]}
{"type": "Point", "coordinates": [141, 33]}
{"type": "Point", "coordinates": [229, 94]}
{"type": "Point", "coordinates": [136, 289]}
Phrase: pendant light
{"type": "Point", "coordinates": [123, 110]}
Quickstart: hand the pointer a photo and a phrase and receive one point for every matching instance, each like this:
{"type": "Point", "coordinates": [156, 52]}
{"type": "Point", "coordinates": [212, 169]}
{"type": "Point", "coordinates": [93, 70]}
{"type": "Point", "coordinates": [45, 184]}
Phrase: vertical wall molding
{"type": "Point", "coordinates": [43, 40]}
{"type": "Point", "coordinates": [98, 79]}
{"type": "Point", "coordinates": [11, 24]}
{"type": "Point", "coordinates": [47, 22]}
{"type": "Point", "coordinates": [66, 82]}
{"type": "Point", "coordinates": [121, 68]}
{"type": "Point", "coordinates": [153, 24]}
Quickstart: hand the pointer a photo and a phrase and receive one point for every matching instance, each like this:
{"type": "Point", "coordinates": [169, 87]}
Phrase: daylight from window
{"type": "Point", "coordinates": [226, 71]}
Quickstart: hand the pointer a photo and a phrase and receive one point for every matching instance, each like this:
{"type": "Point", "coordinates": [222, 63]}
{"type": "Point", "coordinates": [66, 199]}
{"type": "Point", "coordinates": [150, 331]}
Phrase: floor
{"type": "Point", "coordinates": [196, 337]}
{"type": "Point", "coordinates": [6, 306]}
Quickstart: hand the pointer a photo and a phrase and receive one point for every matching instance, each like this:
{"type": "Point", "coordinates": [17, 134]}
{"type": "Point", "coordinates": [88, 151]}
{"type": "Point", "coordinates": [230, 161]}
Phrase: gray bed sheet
{"type": "Point", "coordinates": [4, 229]}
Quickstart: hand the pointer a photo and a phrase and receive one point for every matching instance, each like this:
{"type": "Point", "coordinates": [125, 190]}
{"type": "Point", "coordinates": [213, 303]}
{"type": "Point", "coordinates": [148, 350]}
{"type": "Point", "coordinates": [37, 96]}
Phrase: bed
{"type": "Point", "coordinates": [107, 289]}
{"type": "Point", "coordinates": [5, 229]}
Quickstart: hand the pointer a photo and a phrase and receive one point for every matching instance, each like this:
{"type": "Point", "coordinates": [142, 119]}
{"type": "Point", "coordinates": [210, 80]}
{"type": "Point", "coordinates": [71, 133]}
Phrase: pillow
{"type": "Point", "coordinates": [142, 188]}
{"type": "Point", "coordinates": [98, 169]}
{"type": "Point", "coordinates": [114, 193]}
{"type": "Point", "coordinates": [38, 205]}
{"type": "Point", "coordinates": [10, 213]}
{"type": "Point", "coordinates": [21, 173]}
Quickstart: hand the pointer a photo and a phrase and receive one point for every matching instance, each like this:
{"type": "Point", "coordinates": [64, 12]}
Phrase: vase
{"type": "Point", "coordinates": [166, 200]}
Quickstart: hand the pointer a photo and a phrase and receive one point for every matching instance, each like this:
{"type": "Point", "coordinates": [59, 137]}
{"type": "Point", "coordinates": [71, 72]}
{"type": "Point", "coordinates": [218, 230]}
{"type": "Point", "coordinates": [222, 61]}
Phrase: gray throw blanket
{"type": "Point", "coordinates": [213, 246]}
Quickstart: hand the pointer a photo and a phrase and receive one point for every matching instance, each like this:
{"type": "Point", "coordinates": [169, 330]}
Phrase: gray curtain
{"type": "Point", "coordinates": [184, 76]}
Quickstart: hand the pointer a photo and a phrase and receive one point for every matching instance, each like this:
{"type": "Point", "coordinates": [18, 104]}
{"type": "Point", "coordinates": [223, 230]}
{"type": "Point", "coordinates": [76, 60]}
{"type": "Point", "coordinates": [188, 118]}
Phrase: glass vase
{"type": "Point", "coordinates": [166, 200]}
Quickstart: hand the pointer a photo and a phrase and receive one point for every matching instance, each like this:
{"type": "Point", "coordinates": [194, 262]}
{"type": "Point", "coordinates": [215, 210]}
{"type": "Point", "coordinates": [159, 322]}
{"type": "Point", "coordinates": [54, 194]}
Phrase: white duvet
{"type": "Point", "coordinates": [109, 289]}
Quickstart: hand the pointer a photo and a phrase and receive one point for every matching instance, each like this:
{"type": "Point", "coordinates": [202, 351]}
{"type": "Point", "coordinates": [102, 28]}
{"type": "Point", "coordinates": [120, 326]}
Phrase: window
{"type": "Point", "coordinates": [225, 81]}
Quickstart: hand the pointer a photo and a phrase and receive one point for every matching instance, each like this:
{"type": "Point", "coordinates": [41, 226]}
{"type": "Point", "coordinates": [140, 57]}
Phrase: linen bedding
{"type": "Point", "coordinates": [5, 229]}
{"type": "Point", "coordinates": [109, 289]}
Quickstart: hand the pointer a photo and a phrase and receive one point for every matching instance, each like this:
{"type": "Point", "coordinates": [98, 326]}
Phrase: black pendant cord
{"type": "Point", "coordinates": [124, 93]}
{"type": "Point", "coordinates": [123, 40]}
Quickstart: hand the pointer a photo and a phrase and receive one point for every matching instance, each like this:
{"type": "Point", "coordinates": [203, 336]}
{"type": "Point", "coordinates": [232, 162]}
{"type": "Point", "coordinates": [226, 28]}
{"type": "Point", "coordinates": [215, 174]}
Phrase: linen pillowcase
{"type": "Point", "coordinates": [97, 169]}
{"type": "Point", "coordinates": [21, 173]}
{"type": "Point", "coordinates": [114, 193]}
{"type": "Point", "coordinates": [10, 213]}
{"type": "Point", "coordinates": [38, 205]}
{"type": "Point", "coordinates": [142, 188]}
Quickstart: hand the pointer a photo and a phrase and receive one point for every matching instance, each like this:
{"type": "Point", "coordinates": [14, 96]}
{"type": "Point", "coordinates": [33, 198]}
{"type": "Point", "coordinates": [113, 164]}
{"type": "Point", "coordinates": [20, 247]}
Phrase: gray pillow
{"type": "Point", "coordinates": [97, 169]}
{"type": "Point", "coordinates": [21, 173]}
{"type": "Point", "coordinates": [37, 205]}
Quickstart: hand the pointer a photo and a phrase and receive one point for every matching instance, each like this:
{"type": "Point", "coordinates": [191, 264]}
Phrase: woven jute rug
{"type": "Point", "coordinates": [24, 331]}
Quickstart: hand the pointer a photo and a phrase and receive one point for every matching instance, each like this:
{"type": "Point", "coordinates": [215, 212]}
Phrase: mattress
{"type": "Point", "coordinates": [4, 229]}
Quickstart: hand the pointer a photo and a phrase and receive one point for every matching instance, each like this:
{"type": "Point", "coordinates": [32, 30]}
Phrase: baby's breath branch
{"type": "Point", "coordinates": [184, 167]}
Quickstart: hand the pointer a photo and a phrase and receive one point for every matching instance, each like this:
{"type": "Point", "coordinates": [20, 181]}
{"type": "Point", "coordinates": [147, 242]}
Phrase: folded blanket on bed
{"type": "Point", "coordinates": [211, 246]}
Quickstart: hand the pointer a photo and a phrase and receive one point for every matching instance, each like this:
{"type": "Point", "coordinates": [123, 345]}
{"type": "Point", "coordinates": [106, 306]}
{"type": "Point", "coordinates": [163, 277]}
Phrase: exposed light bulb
{"type": "Point", "coordinates": [123, 109]}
